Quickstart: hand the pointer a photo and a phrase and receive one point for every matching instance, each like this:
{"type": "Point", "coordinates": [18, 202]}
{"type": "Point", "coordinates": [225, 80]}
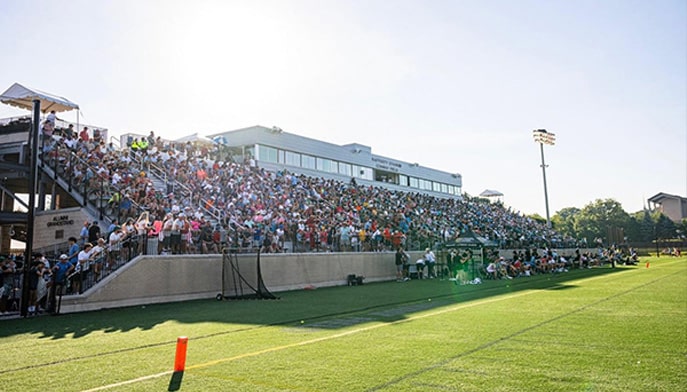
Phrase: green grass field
{"type": "Point", "coordinates": [590, 330]}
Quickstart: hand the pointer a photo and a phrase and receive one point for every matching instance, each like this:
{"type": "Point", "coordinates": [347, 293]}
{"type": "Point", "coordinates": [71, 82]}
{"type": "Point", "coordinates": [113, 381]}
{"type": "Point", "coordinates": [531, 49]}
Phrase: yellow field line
{"type": "Point", "coordinates": [335, 336]}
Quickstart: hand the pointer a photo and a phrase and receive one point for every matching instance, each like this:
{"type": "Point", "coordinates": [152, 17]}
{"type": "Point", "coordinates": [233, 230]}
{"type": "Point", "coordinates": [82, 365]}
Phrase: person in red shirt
{"type": "Point", "coordinates": [83, 135]}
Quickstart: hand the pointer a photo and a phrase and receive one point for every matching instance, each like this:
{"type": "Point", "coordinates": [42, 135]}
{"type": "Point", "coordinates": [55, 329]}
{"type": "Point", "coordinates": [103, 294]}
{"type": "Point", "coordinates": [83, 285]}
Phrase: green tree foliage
{"type": "Point", "coordinates": [596, 218]}
{"type": "Point", "coordinates": [537, 218]}
{"type": "Point", "coordinates": [682, 226]}
{"type": "Point", "coordinates": [646, 226]}
{"type": "Point", "coordinates": [665, 228]}
{"type": "Point", "coordinates": [564, 221]}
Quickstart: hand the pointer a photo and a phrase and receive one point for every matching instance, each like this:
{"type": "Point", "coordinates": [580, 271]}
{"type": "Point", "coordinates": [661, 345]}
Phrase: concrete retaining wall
{"type": "Point", "coordinates": [158, 279]}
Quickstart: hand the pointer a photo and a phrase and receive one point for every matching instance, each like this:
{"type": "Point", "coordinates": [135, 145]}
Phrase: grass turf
{"type": "Point", "coordinates": [585, 330]}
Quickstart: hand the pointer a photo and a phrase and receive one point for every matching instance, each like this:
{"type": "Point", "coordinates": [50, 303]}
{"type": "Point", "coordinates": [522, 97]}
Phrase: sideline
{"type": "Point", "coordinates": [346, 333]}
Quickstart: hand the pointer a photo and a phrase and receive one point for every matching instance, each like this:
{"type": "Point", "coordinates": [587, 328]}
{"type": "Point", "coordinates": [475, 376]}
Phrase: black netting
{"type": "Point", "coordinates": [242, 279]}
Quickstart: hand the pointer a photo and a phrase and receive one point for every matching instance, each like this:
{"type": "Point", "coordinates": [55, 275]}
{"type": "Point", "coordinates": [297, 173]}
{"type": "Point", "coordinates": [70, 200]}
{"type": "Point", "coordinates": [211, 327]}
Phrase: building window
{"type": "Point", "coordinates": [327, 165]}
{"type": "Point", "coordinates": [308, 162]}
{"type": "Point", "coordinates": [414, 183]}
{"type": "Point", "coordinates": [402, 180]}
{"type": "Point", "coordinates": [267, 154]}
{"type": "Point", "coordinates": [444, 188]}
{"type": "Point", "coordinates": [345, 169]}
{"type": "Point", "coordinates": [292, 158]}
{"type": "Point", "coordinates": [280, 154]}
{"type": "Point", "coordinates": [250, 152]}
{"type": "Point", "coordinates": [436, 186]}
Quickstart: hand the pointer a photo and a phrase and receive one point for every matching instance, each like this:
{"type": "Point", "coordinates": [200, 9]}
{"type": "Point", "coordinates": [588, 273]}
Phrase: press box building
{"type": "Point", "coordinates": [274, 149]}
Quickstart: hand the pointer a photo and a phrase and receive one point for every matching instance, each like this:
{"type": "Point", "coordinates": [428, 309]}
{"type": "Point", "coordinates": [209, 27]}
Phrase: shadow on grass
{"type": "Point", "coordinates": [327, 308]}
{"type": "Point", "coordinates": [175, 381]}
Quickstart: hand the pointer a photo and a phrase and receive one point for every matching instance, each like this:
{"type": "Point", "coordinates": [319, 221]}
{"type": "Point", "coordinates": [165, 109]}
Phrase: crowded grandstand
{"type": "Point", "coordinates": [160, 197]}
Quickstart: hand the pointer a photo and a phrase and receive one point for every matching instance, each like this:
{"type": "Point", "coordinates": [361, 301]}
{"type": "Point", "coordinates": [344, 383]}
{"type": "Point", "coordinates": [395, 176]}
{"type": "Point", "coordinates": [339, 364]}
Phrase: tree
{"type": "Point", "coordinates": [647, 227]}
{"type": "Point", "coordinates": [665, 228]}
{"type": "Point", "coordinates": [596, 218]}
{"type": "Point", "coordinates": [564, 221]}
{"type": "Point", "coordinates": [682, 227]}
{"type": "Point", "coordinates": [537, 217]}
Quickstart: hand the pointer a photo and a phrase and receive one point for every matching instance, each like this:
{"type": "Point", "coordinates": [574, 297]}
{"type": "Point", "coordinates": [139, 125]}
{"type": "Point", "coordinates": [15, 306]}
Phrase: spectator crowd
{"type": "Point", "coordinates": [209, 201]}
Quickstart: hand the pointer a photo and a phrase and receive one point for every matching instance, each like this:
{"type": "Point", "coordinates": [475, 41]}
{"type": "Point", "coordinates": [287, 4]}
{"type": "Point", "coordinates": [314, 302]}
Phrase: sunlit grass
{"type": "Point", "coordinates": [588, 330]}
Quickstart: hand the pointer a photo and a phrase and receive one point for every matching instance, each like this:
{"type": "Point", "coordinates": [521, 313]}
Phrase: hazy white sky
{"type": "Point", "coordinates": [454, 85]}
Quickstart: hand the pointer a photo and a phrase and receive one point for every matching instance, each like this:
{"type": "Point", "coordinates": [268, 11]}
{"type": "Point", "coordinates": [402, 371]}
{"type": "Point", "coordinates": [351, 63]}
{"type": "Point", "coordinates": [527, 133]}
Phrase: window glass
{"type": "Point", "coordinates": [308, 162]}
{"type": "Point", "coordinates": [267, 154]}
{"type": "Point", "coordinates": [292, 158]}
{"type": "Point", "coordinates": [345, 169]}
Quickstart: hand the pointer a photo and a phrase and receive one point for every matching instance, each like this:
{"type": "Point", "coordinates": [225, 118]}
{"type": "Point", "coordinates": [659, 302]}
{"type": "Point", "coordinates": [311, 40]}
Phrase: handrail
{"type": "Point", "coordinates": [73, 160]}
{"type": "Point", "coordinates": [115, 142]}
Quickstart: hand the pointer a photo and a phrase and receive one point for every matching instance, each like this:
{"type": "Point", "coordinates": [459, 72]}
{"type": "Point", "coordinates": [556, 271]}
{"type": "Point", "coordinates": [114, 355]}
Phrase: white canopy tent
{"type": "Point", "coordinates": [195, 138]}
{"type": "Point", "coordinates": [34, 100]}
{"type": "Point", "coordinates": [491, 193]}
{"type": "Point", "coordinates": [23, 97]}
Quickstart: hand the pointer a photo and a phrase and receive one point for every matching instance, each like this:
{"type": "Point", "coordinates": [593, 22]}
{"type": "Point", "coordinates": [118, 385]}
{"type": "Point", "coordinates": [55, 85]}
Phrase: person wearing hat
{"type": "Point", "coordinates": [60, 272]}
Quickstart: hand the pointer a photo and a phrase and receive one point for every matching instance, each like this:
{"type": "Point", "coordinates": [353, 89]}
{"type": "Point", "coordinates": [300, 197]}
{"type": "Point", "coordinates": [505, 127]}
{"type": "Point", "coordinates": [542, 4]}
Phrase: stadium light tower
{"type": "Point", "coordinates": [542, 137]}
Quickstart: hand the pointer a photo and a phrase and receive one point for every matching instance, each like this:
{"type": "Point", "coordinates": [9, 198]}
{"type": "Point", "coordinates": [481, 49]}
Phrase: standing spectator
{"type": "Point", "coordinates": [142, 227]}
{"type": "Point", "coordinates": [35, 278]}
{"type": "Point", "coordinates": [70, 130]}
{"type": "Point", "coordinates": [84, 266]}
{"type": "Point", "coordinates": [48, 129]}
{"type": "Point", "coordinates": [83, 235]}
{"type": "Point", "coordinates": [112, 227]}
{"type": "Point", "coordinates": [175, 239]}
{"type": "Point", "coordinates": [52, 117]}
{"type": "Point", "coordinates": [93, 232]}
{"type": "Point", "coordinates": [73, 252]}
{"type": "Point", "coordinates": [400, 262]}
{"type": "Point", "coordinates": [115, 244]}
{"type": "Point", "coordinates": [166, 234]}
{"type": "Point", "coordinates": [185, 230]}
{"type": "Point", "coordinates": [8, 269]}
{"type": "Point", "coordinates": [60, 272]}
{"type": "Point", "coordinates": [83, 135]}
{"type": "Point", "coordinates": [430, 260]}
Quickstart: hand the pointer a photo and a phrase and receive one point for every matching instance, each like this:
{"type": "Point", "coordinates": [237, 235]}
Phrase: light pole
{"type": "Point", "coordinates": [542, 137]}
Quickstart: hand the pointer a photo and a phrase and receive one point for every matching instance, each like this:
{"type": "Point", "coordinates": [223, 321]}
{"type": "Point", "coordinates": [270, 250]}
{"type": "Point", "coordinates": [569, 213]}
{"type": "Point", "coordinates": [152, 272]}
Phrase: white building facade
{"type": "Point", "coordinates": [275, 150]}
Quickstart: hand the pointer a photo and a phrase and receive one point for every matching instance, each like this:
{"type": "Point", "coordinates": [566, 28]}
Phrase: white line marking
{"type": "Point", "coordinates": [336, 336]}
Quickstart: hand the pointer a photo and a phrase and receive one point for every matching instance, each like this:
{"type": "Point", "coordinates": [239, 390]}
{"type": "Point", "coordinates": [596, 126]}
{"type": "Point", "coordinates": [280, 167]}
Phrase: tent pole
{"type": "Point", "coordinates": [33, 141]}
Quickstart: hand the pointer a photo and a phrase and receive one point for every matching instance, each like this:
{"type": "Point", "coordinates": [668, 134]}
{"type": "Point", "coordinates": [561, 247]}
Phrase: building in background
{"type": "Point", "coordinates": [274, 149]}
{"type": "Point", "coordinates": [672, 206]}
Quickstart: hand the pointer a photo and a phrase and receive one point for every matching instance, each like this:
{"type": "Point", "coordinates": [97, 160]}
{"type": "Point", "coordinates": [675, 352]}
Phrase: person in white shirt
{"type": "Point", "coordinates": [83, 267]}
{"type": "Point", "coordinates": [52, 117]}
{"type": "Point", "coordinates": [431, 260]}
{"type": "Point", "coordinates": [115, 246]}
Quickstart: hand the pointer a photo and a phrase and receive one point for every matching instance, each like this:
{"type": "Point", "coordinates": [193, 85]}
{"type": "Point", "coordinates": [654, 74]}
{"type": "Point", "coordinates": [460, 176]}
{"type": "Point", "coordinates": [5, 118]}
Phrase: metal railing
{"type": "Point", "coordinates": [95, 191]}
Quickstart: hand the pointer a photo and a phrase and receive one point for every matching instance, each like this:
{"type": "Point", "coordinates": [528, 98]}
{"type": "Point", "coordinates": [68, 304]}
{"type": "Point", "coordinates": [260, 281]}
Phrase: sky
{"type": "Point", "coordinates": [457, 85]}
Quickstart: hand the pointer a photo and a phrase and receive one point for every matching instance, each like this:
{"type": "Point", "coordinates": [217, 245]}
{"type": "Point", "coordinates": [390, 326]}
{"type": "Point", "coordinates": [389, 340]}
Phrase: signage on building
{"type": "Point", "coordinates": [60, 220]}
{"type": "Point", "coordinates": [385, 164]}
